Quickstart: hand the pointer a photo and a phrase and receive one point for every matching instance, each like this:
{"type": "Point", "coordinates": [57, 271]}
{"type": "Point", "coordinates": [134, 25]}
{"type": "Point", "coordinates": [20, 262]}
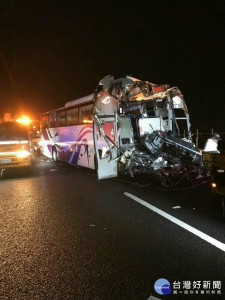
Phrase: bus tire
{"type": "Point", "coordinates": [54, 154]}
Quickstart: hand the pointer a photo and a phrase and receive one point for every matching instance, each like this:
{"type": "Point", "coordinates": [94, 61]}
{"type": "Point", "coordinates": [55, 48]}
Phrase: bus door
{"type": "Point", "coordinates": [106, 149]}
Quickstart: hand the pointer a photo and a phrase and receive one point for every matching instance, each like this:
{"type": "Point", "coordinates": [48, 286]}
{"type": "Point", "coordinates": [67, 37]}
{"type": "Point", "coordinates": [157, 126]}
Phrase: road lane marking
{"type": "Point", "coordinates": [189, 228]}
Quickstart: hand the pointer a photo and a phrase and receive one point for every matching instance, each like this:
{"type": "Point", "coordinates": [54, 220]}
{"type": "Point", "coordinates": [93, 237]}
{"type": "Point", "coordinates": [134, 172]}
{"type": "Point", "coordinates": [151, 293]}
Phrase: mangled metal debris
{"type": "Point", "coordinates": [137, 130]}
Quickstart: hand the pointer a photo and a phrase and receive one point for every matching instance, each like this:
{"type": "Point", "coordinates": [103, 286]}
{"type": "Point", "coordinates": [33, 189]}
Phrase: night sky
{"type": "Point", "coordinates": [55, 51]}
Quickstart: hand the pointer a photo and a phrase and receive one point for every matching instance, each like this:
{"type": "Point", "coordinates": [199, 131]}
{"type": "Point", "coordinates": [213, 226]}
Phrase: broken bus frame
{"type": "Point", "coordinates": [127, 126]}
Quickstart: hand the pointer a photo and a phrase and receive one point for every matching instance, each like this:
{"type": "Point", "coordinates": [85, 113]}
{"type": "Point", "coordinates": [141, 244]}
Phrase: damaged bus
{"type": "Point", "coordinates": [127, 126]}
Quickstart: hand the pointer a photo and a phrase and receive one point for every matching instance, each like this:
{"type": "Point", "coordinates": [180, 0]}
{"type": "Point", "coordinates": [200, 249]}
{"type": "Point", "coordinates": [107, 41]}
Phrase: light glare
{"type": "Point", "coordinates": [24, 120]}
{"type": "Point", "coordinates": [87, 121]}
{"type": "Point", "coordinates": [22, 154]}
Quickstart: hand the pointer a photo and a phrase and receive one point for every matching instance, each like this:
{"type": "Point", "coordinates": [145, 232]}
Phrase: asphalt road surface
{"type": "Point", "coordinates": [64, 235]}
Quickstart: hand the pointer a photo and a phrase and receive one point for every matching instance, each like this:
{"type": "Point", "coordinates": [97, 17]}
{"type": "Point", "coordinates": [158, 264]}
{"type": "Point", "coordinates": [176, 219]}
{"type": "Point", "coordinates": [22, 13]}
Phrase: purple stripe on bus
{"type": "Point", "coordinates": [85, 127]}
{"type": "Point", "coordinates": [77, 153]}
{"type": "Point", "coordinates": [83, 134]}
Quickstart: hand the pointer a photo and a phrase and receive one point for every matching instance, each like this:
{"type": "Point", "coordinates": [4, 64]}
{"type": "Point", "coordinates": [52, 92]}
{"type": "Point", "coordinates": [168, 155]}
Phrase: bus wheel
{"type": "Point", "coordinates": [55, 155]}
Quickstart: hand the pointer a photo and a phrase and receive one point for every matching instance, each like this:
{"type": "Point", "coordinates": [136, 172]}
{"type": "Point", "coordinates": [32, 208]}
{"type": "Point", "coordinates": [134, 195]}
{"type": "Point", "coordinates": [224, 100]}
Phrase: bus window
{"type": "Point", "coordinates": [72, 116]}
{"type": "Point", "coordinates": [52, 119]}
{"type": "Point", "coordinates": [44, 121]}
{"type": "Point", "coordinates": [85, 113]}
{"type": "Point", "coordinates": [61, 118]}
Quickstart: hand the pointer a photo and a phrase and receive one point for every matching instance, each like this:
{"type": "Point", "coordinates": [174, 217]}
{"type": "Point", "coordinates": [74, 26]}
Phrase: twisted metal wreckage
{"type": "Point", "coordinates": [144, 137]}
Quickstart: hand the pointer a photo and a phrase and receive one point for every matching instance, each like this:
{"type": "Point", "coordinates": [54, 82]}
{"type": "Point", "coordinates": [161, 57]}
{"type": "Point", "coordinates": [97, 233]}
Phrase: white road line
{"type": "Point", "coordinates": [189, 228]}
{"type": "Point", "coordinates": [176, 207]}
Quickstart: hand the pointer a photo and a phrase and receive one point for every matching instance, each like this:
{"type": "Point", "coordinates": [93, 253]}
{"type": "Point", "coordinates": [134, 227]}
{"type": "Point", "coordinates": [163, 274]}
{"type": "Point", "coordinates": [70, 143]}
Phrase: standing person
{"type": "Point", "coordinates": [212, 143]}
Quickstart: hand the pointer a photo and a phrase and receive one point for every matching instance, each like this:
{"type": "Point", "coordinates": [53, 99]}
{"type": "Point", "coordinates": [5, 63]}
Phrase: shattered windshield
{"type": "Point", "coordinates": [10, 131]}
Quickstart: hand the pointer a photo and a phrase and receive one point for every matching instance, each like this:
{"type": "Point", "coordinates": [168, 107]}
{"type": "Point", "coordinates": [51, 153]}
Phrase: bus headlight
{"type": "Point", "coordinates": [22, 154]}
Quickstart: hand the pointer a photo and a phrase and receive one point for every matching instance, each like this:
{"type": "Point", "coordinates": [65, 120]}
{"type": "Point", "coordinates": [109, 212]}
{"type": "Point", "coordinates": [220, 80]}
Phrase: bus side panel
{"type": "Point", "coordinates": [84, 152]}
{"type": "Point", "coordinates": [107, 166]}
{"type": "Point", "coordinates": [75, 145]}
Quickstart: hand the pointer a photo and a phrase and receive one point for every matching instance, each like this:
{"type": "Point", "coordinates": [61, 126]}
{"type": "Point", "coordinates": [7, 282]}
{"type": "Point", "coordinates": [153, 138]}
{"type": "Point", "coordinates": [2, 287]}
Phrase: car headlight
{"type": "Point", "coordinates": [22, 154]}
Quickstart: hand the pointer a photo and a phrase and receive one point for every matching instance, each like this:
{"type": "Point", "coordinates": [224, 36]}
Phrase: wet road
{"type": "Point", "coordinates": [64, 235]}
